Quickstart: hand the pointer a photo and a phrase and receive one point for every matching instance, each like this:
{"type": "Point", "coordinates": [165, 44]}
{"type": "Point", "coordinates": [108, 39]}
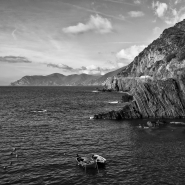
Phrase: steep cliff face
{"type": "Point", "coordinates": [152, 99]}
{"type": "Point", "coordinates": [162, 57]}
{"type": "Point", "coordinates": [155, 80]}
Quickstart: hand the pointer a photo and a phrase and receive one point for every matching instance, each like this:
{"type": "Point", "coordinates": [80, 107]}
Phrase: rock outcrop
{"type": "Point", "coordinates": [155, 79]}
{"type": "Point", "coordinates": [151, 99]}
{"type": "Point", "coordinates": [162, 57]}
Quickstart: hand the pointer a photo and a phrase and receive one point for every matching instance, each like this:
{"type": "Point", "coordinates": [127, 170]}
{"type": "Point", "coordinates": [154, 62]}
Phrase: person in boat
{"type": "Point", "coordinates": [79, 158]}
{"type": "Point", "coordinates": [94, 157]}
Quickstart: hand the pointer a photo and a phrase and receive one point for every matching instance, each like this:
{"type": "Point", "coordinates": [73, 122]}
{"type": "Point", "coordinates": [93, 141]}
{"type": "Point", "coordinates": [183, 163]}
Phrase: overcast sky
{"type": "Point", "coordinates": [78, 36]}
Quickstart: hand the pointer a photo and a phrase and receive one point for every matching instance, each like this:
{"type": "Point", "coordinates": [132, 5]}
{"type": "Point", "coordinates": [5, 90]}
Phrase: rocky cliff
{"type": "Point", "coordinates": [155, 79]}
{"type": "Point", "coordinates": [56, 79]}
{"type": "Point", "coordinates": [150, 99]}
{"type": "Point", "coordinates": [162, 57]}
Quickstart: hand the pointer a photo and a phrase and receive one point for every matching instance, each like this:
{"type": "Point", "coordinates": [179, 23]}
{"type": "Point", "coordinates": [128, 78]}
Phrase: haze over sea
{"type": "Point", "coordinates": [48, 126]}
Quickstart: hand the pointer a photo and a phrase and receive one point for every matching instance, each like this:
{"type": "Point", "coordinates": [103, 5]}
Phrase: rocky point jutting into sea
{"type": "Point", "coordinates": [155, 80]}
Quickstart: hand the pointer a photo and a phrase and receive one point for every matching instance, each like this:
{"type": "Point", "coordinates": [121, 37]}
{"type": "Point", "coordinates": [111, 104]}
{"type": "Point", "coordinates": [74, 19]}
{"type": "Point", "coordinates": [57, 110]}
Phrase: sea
{"type": "Point", "coordinates": [43, 128]}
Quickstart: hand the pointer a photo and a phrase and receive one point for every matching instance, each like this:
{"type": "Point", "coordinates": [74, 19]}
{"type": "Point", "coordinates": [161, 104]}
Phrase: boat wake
{"type": "Point", "coordinates": [39, 111]}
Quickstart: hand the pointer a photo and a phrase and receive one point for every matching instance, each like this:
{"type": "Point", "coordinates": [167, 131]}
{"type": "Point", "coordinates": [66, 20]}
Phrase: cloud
{"type": "Point", "coordinates": [156, 30]}
{"type": "Point", "coordinates": [60, 66]}
{"type": "Point", "coordinates": [169, 14]}
{"type": "Point", "coordinates": [120, 64]}
{"type": "Point", "coordinates": [177, 1]}
{"type": "Point", "coordinates": [120, 2]}
{"type": "Point", "coordinates": [160, 8]}
{"type": "Point", "coordinates": [136, 14]}
{"type": "Point", "coordinates": [96, 23]}
{"type": "Point", "coordinates": [130, 53]}
{"type": "Point", "coordinates": [14, 59]}
{"type": "Point", "coordinates": [13, 34]}
{"type": "Point", "coordinates": [97, 12]}
{"type": "Point", "coordinates": [92, 69]}
{"type": "Point", "coordinates": [175, 16]}
{"type": "Point", "coordinates": [137, 2]}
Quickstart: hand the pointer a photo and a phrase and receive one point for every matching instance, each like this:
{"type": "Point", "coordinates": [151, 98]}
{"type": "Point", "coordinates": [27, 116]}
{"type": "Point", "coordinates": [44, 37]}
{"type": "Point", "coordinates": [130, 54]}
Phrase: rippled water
{"type": "Point", "coordinates": [49, 125]}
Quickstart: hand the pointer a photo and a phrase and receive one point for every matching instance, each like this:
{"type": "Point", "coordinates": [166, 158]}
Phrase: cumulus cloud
{"type": "Point", "coordinates": [61, 66]}
{"type": "Point", "coordinates": [122, 17]}
{"type": "Point", "coordinates": [169, 14]}
{"type": "Point", "coordinates": [14, 59]}
{"type": "Point", "coordinates": [130, 53]}
{"type": "Point", "coordinates": [96, 23]}
{"type": "Point", "coordinates": [136, 14]}
{"type": "Point", "coordinates": [160, 8]}
{"type": "Point", "coordinates": [175, 16]}
{"type": "Point", "coordinates": [92, 69]}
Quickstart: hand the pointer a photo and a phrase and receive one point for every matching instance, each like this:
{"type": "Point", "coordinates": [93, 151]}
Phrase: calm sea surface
{"type": "Point", "coordinates": [48, 126]}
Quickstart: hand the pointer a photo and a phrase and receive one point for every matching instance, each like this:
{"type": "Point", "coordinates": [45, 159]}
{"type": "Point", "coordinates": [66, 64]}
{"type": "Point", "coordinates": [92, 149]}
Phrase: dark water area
{"type": "Point", "coordinates": [48, 126]}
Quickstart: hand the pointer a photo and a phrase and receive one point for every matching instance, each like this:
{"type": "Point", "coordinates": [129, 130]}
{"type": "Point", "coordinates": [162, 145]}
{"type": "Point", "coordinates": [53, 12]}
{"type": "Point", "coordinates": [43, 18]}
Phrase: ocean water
{"type": "Point", "coordinates": [48, 126]}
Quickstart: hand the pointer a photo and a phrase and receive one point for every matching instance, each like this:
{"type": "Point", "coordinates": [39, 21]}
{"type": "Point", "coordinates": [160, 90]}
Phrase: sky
{"type": "Point", "coordinates": [41, 37]}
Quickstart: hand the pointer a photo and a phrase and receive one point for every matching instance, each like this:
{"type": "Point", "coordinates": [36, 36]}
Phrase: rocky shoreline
{"type": "Point", "coordinates": [153, 85]}
{"type": "Point", "coordinates": [149, 99]}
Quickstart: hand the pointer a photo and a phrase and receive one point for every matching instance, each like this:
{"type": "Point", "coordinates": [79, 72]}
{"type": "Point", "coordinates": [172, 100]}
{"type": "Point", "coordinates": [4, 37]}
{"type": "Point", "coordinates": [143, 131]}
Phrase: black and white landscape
{"type": "Point", "coordinates": [92, 92]}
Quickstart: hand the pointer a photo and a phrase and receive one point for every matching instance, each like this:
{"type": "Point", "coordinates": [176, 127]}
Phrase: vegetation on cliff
{"type": "Point", "coordinates": [162, 57]}
{"type": "Point", "coordinates": [151, 99]}
{"type": "Point", "coordinates": [155, 79]}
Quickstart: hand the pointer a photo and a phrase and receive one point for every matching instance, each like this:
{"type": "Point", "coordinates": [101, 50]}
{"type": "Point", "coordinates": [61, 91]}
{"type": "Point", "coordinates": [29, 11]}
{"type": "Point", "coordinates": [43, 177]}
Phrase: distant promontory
{"type": "Point", "coordinates": [57, 79]}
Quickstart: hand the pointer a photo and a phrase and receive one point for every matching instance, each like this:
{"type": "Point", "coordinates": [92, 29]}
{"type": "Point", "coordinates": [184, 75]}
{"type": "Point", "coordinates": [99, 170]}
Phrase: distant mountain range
{"type": "Point", "coordinates": [161, 59]}
{"type": "Point", "coordinates": [57, 79]}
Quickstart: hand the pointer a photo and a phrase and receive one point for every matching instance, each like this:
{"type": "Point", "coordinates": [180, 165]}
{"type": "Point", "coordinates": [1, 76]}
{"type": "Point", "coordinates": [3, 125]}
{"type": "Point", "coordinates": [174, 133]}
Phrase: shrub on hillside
{"type": "Point", "coordinates": [181, 56]}
{"type": "Point", "coordinates": [170, 57]}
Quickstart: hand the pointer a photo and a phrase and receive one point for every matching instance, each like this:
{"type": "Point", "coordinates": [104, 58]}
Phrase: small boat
{"type": "Point", "coordinates": [99, 159]}
{"type": "Point", "coordinates": [84, 162]}
{"type": "Point", "coordinates": [113, 102]}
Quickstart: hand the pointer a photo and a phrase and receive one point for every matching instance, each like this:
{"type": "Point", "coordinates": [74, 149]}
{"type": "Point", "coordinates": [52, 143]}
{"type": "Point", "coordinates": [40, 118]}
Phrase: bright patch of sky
{"type": "Point", "coordinates": [78, 36]}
